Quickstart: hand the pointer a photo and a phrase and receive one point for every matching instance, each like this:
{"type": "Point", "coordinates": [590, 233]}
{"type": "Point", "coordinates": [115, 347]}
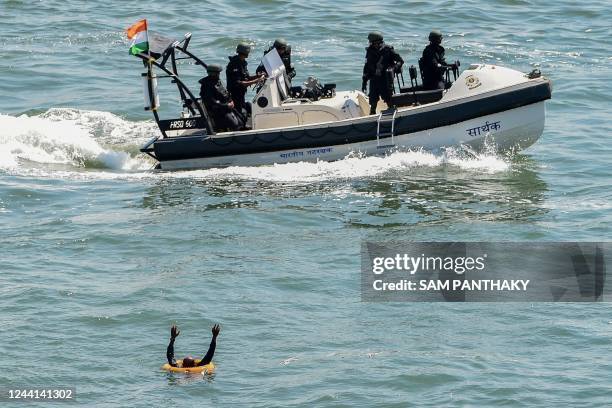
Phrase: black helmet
{"type": "Point", "coordinates": [280, 43]}
{"type": "Point", "coordinates": [375, 36]}
{"type": "Point", "coordinates": [243, 48]}
{"type": "Point", "coordinates": [435, 34]}
{"type": "Point", "coordinates": [211, 68]}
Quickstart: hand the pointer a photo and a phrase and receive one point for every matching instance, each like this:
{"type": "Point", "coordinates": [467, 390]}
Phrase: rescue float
{"type": "Point", "coordinates": [204, 369]}
{"type": "Point", "coordinates": [483, 105]}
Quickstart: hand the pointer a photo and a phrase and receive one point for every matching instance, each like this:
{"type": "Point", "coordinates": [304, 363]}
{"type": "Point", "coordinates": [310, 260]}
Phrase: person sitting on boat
{"type": "Point", "coordinates": [433, 63]}
{"type": "Point", "coordinates": [239, 79]}
{"type": "Point", "coordinates": [284, 51]}
{"type": "Point", "coordinates": [381, 64]}
{"type": "Point", "coordinates": [218, 101]}
{"type": "Point", "coordinates": [189, 361]}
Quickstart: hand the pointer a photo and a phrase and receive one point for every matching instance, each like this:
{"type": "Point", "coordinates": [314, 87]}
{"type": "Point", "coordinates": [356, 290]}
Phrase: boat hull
{"type": "Point", "coordinates": [513, 129]}
{"type": "Point", "coordinates": [509, 117]}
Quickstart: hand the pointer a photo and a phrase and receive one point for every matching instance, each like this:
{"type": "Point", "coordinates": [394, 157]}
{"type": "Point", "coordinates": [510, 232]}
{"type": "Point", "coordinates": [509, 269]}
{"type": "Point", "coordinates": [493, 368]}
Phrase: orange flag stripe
{"type": "Point", "coordinates": [136, 28]}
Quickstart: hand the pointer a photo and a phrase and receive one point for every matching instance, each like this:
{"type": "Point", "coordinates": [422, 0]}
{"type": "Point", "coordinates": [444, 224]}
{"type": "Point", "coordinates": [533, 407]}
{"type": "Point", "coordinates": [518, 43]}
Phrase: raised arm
{"type": "Point", "coordinates": [211, 349]}
{"type": "Point", "coordinates": [174, 332]}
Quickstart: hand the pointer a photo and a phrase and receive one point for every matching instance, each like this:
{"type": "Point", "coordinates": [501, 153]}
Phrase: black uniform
{"type": "Point", "coordinates": [216, 99]}
{"type": "Point", "coordinates": [237, 72]}
{"type": "Point", "coordinates": [433, 75]}
{"type": "Point", "coordinates": [286, 61]}
{"type": "Point", "coordinates": [205, 360]}
{"type": "Point", "coordinates": [379, 69]}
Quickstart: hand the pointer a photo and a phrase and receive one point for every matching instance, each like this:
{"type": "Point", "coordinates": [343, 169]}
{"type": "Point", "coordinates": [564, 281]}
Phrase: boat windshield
{"type": "Point", "coordinates": [275, 68]}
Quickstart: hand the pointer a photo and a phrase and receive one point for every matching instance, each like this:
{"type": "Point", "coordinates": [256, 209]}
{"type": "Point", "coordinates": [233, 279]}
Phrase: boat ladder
{"type": "Point", "coordinates": [386, 118]}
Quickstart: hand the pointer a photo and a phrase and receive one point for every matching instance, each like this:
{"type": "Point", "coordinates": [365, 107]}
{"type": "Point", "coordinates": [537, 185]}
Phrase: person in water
{"type": "Point", "coordinates": [433, 63]}
{"type": "Point", "coordinates": [189, 361]}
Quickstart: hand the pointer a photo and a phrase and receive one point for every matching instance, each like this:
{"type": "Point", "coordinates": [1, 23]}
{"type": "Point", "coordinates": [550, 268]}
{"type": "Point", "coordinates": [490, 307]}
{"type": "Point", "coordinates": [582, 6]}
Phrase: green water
{"type": "Point", "coordinates": [100, 256]}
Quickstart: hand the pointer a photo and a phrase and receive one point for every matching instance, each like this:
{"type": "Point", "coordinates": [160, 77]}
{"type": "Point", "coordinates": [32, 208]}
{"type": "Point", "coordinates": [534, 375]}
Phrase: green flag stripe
{"type": "Point", "coordinates": [138, 48]}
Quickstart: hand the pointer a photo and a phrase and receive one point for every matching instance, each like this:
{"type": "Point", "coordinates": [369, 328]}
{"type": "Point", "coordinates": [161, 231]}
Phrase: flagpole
{"type": "Point", "coordinates": [149, 47]}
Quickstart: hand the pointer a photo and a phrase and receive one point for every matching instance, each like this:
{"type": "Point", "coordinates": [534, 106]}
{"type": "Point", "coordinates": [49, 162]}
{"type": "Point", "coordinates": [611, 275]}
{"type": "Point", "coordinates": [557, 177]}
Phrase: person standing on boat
{"type": "Point", "coordinates": [239, 79]}
{"type": "Point", "coordinates": [381, 64]}
{"type": "Point", "coordinates": [433, 63]}
{"type": "Point", "coordinates": [218, 101]}
{"type": "Point", "coordinates": [284, 50]}
{"type": "Point", "coordinates": [189, 361]}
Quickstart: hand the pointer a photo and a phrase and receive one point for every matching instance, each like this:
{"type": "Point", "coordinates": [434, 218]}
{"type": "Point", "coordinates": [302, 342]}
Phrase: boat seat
{"type": "Point", "coordinates": [407, 98]}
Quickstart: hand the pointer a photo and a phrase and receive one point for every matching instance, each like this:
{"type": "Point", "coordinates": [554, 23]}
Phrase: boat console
{"type": "Point", "coordinates": [278, 105]}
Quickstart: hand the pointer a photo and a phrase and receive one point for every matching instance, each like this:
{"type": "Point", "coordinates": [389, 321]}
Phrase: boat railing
{"type": "Point", "coordinates": [163, 56]}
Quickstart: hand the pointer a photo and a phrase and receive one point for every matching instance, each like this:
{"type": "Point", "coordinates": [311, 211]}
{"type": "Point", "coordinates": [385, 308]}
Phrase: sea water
{"type": "Point", "coordinates": [100, 255]}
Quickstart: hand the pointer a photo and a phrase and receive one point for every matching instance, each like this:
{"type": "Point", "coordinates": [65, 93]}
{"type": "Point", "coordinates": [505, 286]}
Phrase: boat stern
{"type": "Point", "coordinates": [149, 147]}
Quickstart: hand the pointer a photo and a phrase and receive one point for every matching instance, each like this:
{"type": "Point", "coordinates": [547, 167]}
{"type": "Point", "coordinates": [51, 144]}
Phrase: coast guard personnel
{"type": "Point", "coordinates": [382, 62]}
{"type": "Point", "coordinates": [218, 101]}
{"type": "Point", "coordinates": [284, 50]}
{"type": "Point", "coordinates": [433, 63]}
{"type": "Point", "coordinates": [189, 361]}
{"type": "Point", "coordinates": [239, 79]}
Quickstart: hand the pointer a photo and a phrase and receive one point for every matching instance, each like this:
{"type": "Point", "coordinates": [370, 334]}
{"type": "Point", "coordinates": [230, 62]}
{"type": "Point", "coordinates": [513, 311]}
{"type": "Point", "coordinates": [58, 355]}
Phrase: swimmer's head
{"type": "Point", "coordinates": [188, 362]}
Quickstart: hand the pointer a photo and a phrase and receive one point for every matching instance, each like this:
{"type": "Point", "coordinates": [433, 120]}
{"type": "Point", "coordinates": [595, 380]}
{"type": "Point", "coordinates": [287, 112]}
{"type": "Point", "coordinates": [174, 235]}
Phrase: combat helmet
{"type": "Point", "coordinates": [435, 34]}
{"type": "Point", "coordinates": [243, 48]}
{"type": "Point", "coordinates": [213, 68]}
{"type": "Point", "coordinates": [375, 36]}
{"type": "Point", "coordinates": [280, 43]}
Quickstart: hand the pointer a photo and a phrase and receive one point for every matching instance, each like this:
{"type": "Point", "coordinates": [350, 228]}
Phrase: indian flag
{"type": "Point", "coordinates": [140, 39]}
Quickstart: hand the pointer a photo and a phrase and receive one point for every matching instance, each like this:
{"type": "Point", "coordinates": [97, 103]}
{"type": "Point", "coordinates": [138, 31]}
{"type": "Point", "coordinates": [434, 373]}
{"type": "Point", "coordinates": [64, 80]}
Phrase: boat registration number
{"type": "Point", "coordinates": [178, 124]}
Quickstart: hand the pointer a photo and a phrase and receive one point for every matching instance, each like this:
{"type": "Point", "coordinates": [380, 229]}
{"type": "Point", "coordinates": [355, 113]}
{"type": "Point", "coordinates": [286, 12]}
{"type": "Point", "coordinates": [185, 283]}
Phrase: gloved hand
{"type": "Point", "coordinates": [364, 86]}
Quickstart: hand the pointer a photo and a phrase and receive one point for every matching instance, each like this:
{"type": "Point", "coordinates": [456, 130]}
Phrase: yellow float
{"type": "Point", "coordinates": [205, 369]}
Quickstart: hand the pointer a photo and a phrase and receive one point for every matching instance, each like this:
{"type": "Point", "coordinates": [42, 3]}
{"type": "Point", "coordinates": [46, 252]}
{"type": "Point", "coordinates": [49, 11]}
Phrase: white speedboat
{"type": "Point", "coordinates": [484, 104]}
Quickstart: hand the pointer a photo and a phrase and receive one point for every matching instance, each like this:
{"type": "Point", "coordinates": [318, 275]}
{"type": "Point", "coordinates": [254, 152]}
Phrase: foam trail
{"type": "Point", "coordinates": [70, 137]}
{"type": "Point", "coordinates": [487, 160]}
{"type": "Point", "coordinates": [105, 127]}
{"type": "Point", "coordinates": [101, 140]}
{"type": "Point", "coordinates": [357, 166]}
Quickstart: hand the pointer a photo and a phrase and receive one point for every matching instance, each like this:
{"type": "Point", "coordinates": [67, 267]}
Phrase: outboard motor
{"type": "Point", "coordinates": [329, 90]}
{"type": "Point", "coordinates": [536, 73]}
{"type": "Point", "coordinates": [313, 90]}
